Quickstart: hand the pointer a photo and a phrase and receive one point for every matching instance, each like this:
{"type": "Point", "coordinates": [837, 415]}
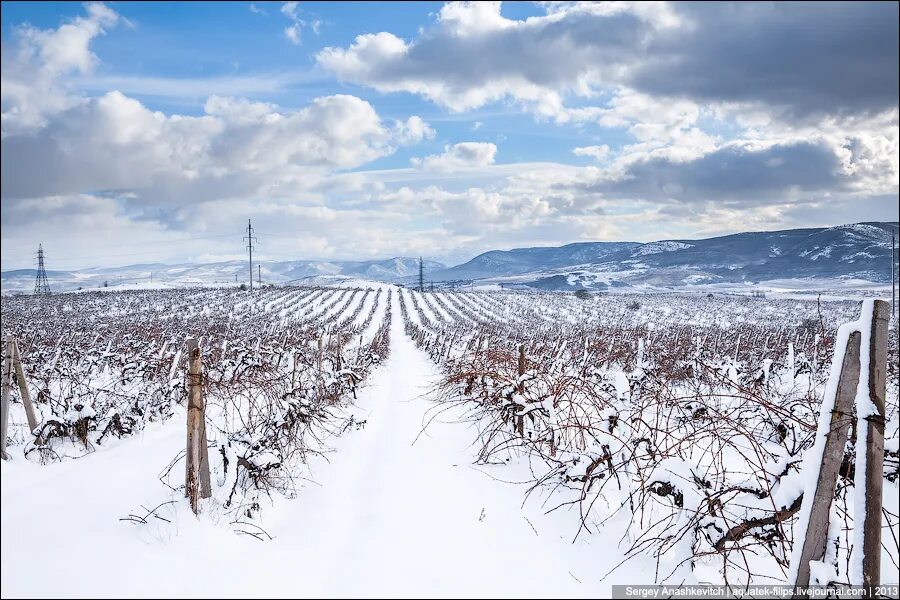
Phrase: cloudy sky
{"type": "Point", "coordinates": [139, 132]}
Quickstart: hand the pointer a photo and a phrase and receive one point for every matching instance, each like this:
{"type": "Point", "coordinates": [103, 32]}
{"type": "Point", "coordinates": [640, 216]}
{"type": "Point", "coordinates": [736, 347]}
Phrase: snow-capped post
{"type": "Point", "coordinates": [197, 481]}
{"type": "Point", "coordinates": [23, 386]}
{"type": "Point", "coordinates": [520, 421]}
{"type": "Point", "coordinates": [816, 534]}
{"type": "Point", "coordinates": [874, 472]}
{"type": "Point", "coordinates": [4, 417]}
{"type": "Point", "coordinates": [858, 383]}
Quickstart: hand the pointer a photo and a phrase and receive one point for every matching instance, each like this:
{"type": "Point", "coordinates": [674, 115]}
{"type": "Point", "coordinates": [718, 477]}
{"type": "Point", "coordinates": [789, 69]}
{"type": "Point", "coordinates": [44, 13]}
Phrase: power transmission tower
{"type": "Point", "coordinates": [421, 275]}
{"type": "Point", "coordinates": [41, 285]}
{"type": "Point", "coordinates": [250, 239]}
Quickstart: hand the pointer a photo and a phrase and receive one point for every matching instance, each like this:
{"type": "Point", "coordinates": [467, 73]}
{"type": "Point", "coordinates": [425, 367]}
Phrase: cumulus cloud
{"type": "Point", "coordinates": [753, 102]}
{"type": "Point", "coordinates": [109, 160]}
{"type": "Point", "coordinates": [32, 88]}
{"type": "Point", "coordinates": [458, 156]}
{"type": "Point", "coordinates": [792, 57]}
{"type": "Point", "coordinates": [599, 152]}
{"type": "Point", "coordinates": [752, 174]}
{"type": "Point", "coordinates": [790, 147]}
{"type": "Point", "coordinates": [114, 142]}
{"type": "Point", "coordinates": [413, 130]}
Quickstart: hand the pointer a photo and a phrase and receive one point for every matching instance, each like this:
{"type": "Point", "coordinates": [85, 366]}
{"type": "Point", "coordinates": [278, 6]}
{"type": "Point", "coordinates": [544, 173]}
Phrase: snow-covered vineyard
{"type": "Point", "coordinates": [372, 440]}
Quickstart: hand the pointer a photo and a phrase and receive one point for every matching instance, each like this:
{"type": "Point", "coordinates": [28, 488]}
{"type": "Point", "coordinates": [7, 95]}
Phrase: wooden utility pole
{"type": "Point", "coordinates": [197, 480]}
{"type": "Point", "coordinates": [23, 386]}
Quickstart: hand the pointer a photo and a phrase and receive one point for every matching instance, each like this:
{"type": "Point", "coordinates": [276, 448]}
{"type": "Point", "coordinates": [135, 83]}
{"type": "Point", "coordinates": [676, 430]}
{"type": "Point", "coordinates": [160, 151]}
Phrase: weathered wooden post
{"type": "Point", "coordinates": [319, 359]}
{"type": "Point", "coordinates": [878, 345]}
{"type": "Point", "coordinates": [841, 416]}
{"type": "Point", "coordinates": [197, 481]}
{"type": "Point", "coordinates": [23, 386]}
{"type": "Point", "coordinates": [4, 417]}
{"type": "Point", "coordinates": [295, 356]}
{"type": "Point", "coordinates": [520, 421]}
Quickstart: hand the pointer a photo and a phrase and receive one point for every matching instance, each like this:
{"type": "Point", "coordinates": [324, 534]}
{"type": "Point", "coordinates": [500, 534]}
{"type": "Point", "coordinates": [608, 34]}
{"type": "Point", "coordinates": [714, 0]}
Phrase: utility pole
{"type": "Point", "coordinates": [259, 275]}
{"type": "Point", "coordinates": [421, 275]}
{"type": "Point", "coordinates": [41, 285]}
{"type": "Point", "coordinates": [250, 239]}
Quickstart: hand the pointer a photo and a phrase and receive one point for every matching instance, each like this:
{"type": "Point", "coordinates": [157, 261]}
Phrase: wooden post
{"type": "Point", "coordinates": [4, 413]}
{"type": "Point", "coordinates": [197, 483]}
{"type": "Point", "coordinates": [23, 386]}
{"type": "Point", "coordinates": [319, 360]}
{"type": "Point", "coordinates": [841, 416]}
{"type": "Point", "coordinates": [294, 373]}
{"type": "Point", "coordinates": [520, 421]}
{"type": "Point", "coordinates": [878, 347]}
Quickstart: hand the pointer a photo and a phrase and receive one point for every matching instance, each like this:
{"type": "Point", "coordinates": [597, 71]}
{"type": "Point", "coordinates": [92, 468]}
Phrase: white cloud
{"type": "Point", "coordinates": [413, 130]}
{"type": "Point", "coordinates": [293, 32]}
{"type": "Point", "coordinates": [31, 87]}
{"type": "Point", "coordinates": [458, 156]}
{"type": "Point", "coordinates": [597, 152]}
{"type": "Point", "coordinates": [691, 164]}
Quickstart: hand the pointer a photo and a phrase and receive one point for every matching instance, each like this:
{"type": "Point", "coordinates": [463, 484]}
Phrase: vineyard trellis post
{"type": "Point", "coordinates": [520, 420]}
{"type": "Point", "coordinates": [878, 343]}
{"type": "Point", "coordinates": [816, 534]}
{"type": "Point", "coordinates": [7, 375]}
{"type": "Point", "coordinates": [197, 479]}
{"type": "Point", "coordinates": [23, 386]}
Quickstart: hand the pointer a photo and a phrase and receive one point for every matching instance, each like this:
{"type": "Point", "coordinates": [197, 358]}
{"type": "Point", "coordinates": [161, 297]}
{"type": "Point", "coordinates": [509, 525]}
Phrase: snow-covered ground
{"type": "Point", "coordinates": [394, 511]}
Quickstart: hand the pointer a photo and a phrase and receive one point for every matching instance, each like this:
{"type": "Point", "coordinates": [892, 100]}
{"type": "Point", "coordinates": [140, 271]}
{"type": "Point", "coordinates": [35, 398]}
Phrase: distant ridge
{"type": "Point", "coordinates": [859, 251]}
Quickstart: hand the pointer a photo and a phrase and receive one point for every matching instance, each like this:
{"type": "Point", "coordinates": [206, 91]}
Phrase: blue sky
{"type": "Point", "coordinates": [368, 130]}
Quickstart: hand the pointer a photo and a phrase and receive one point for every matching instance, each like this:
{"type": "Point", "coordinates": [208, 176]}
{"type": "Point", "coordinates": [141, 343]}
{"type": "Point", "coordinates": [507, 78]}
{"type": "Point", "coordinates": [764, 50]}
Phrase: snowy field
{"type": "Point", "coordinates": [368, 440]}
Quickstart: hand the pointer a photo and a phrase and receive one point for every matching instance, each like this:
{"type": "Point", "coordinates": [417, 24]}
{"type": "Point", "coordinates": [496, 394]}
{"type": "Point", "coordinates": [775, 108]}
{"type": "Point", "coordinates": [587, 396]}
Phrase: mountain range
{"type": "Point", "coordinates": [857, 251]}
{"type": "Point", "coordinates": [393, 270]}
{"type": "Point", "coordinates": [860, 251]}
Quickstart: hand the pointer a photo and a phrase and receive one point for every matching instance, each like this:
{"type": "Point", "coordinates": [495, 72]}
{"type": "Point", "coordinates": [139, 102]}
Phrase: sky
{"type": "Point", "coordinates": [151, 132]}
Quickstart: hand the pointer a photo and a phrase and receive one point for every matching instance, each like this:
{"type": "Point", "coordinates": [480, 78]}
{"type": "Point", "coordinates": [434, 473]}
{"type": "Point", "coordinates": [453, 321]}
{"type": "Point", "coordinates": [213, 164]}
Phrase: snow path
{"type": "Point", "coordinates": [386, 517]}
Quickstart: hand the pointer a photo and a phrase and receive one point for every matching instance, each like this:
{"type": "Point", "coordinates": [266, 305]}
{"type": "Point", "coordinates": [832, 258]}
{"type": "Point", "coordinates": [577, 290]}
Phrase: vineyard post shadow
{"type": "Point", "coordinates": [197, 481]}
{"type": "Point", "coordinates": [816, 537]}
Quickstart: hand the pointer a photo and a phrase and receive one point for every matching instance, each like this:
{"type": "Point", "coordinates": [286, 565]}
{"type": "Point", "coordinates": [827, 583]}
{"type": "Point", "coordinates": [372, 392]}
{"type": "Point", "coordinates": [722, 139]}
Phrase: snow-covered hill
{"type": "Point", "coordinates": [846, 253]}
{"type": "Point", "coordinates": [859, 251]}
{"type": "Point", "coordinates": [392, 270]}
